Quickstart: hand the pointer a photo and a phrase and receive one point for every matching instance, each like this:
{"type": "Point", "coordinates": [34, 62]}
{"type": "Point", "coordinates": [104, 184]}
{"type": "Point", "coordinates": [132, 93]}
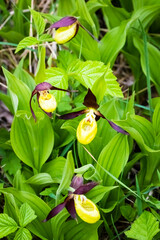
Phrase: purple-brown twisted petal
{"type": "Point", "coordinates": [85, 188]}
{"type": "Point", "coordinates": [43, 86]}
{"type": "Point", "coordinates": [90, 100]}
{"type": "Point", "coordinates": [64, 22]}
{"type": "Point", "coordinates": [73, 114]}
{"type": "Point", "coordinates": [71, 208]}
{"type": "Point", "coordinates": [113, 125]}
{"type": "Point", "coordinates": [55, 211]}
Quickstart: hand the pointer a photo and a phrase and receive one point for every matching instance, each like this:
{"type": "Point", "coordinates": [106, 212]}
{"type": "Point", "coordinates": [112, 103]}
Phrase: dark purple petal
{"type": "Point", "coordinates": [30, 103]}
{"type": "Point", "coordinates": [90, 100]}
{"type": "Point", "coordinates": [117, 128]}
{"type": "Point", "coordinates": [55, 211]}
{"type": "Point", "coordinates": [73, 114]}
{"type": "Point", "coordinates": [60, 89]}
{"type": "Point", "coordinates": [77, 181]}
{"type": "Point", "coordinates": [89, 32]}
{"type": "Point", "coordinates": [64, 22]}
{"type": "Point", "coordinates": [113, 125]}
{"type": "Point", "coordinates": [85, 188]}
{"type": "Point", "coordinates": [43, 86]}
{"type": "Point", "coordinates": [71, 208]}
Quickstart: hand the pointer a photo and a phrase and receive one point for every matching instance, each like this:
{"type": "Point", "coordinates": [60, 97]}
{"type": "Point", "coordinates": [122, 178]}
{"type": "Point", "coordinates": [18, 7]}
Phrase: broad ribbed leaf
{"type": "Point", "coordinates": [98, 192]}
{"type": "Point", "coordinates": [40, 71]}
{"type": "Point", "coordinates": [32, 141]}
{"type": "Point", "coordinates": [57, 164]}
{"type": "Point", "coordinates": [84, 13]}
{"type": "Point", "coordinates": [141, 130]}
{"type": "Point", "coordinates": [19, 92]}
{"type": "Point", "coordinates": [57, 77]}
{"type": "Point", "coordinates": [156, 119]}
{"type": "Point", "coordinates": [24, 76]}
{"type": "Point", "coordinates": [115, 154]}
{"type": "Point", "coordinates": [27, 215]}
{"type": "Point", "coordinates": [144, 228]}
{"type": "Point", "coordinates": [113, 42]}
{"type": "Point", "coordinates": [38, 21]}
{"type": "Point", "coordinates": [67, 173]}
{"type": "Point", "coordinates": [65, 9]}
{"type": "Point", "coordinates": [23, 234]}
{"type": "Point", "coordinates": [7, 225]}
{"type": "Point", "coordinates": [26, 42]}
{"type": "Point", "coordinates": [82, 230]}
{"type": "Point", "coordinates": [83, 44]}
{"type": "Point", "coordinates": [40, 179]}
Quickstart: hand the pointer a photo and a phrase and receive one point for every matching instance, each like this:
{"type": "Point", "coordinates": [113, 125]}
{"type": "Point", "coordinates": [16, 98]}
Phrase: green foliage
{"type": "Point", "coordinates": [39, 138]}
{"type": "Point", "coordinates": [23, 234]}
{"type": "Point", "coordinates": [48, 148]}
{"type": "Point", "coordinates": [7, 225]}
{"type": "Point", "coordinates": [145, 227]}
{"type": "Point", "coordinates": [114, 154]}
{"type": "Point", "coordinates": [26, 215]}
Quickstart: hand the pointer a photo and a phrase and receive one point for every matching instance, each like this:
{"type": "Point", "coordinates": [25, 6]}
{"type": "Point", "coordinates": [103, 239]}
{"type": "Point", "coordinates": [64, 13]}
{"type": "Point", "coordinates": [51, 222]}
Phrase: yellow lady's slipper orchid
{"type": "Point", "coordinates": [86, 209]}
{"type": "Point", "coordinates": [65, 34]}
{"type": "Point", "coordinates": [76, 202]}
{"type": "Point", "coordinates": [67, 28]}
{"type": "Point", "coordinates": [47, 101]}
{"type": "Point", "coordinates": [87, 128]}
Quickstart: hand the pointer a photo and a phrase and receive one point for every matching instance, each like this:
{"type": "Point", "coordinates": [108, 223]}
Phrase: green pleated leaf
{"type": "Point", "coordinates": [38, 21]}
{"type": "Point", "coordinates": [115, 154]}
{"type": "Point", "coordinates": [7, 101]}
{"type": "Point", "coordinates": [27, 215]}
{"type": "Point", "coordinates": [67, 173]}
{"type": "Point", "coordinates": [144, 228]}
{"type": "Point", "coordinates": [58, 78]}
{"type": "Point", "coordinates": [32, 141]}
{"type": "Point", "coordinates": [156, 119]}
{"type": "Point", "coordinates": [23, 234]}
{"type": "Point", "coordinates": [40, 71]}
{"type": "Point", "coordinates": [82, 230]}
{"type": "Point", "coordinates": [84, 13]}
{"type": "Point", "coordinates": [19, 92]}
{"type": "Point", "coordinates": [154, 56]}
{"type": "Point", "coordinates": [83, 44]}
{"type": "Point", "coordinates": [113, 42]}
{"type": "Point", "coordinates": [7, 225]}
{"type": "Point", "coordinates": [26, 42]}
{"type": "Point", "coordinates": [40, 179]}
{"type": "Point", "coordinates": [24, 76]}
{"type": "Point", "coordinates": [58, 164]}
{"type": "Point", "coordinates": [141, 130]}
{"type": "Point", "coordinates": [65, 9]}
{"type": "Point", "coordinates": [98, 192]}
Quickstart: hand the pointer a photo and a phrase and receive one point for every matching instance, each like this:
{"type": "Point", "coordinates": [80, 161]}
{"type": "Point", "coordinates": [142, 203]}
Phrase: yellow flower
{"type": "Point", "coordinates": [87, 128]}
{"type": "Point", "coordinates": [86, 209]}
{"type": "Point", "coordinates": [47, 101]}
{"type": "Point", "coordinates": [65, 34]}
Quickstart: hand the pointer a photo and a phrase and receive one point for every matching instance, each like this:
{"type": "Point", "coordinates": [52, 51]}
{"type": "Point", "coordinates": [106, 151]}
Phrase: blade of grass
{"type": "Point", "coordinates": [115, 228]}
{"type": "Point", "coordinates": [139, 202]}
{"type": "Point", "coordinates": [147, 67]}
